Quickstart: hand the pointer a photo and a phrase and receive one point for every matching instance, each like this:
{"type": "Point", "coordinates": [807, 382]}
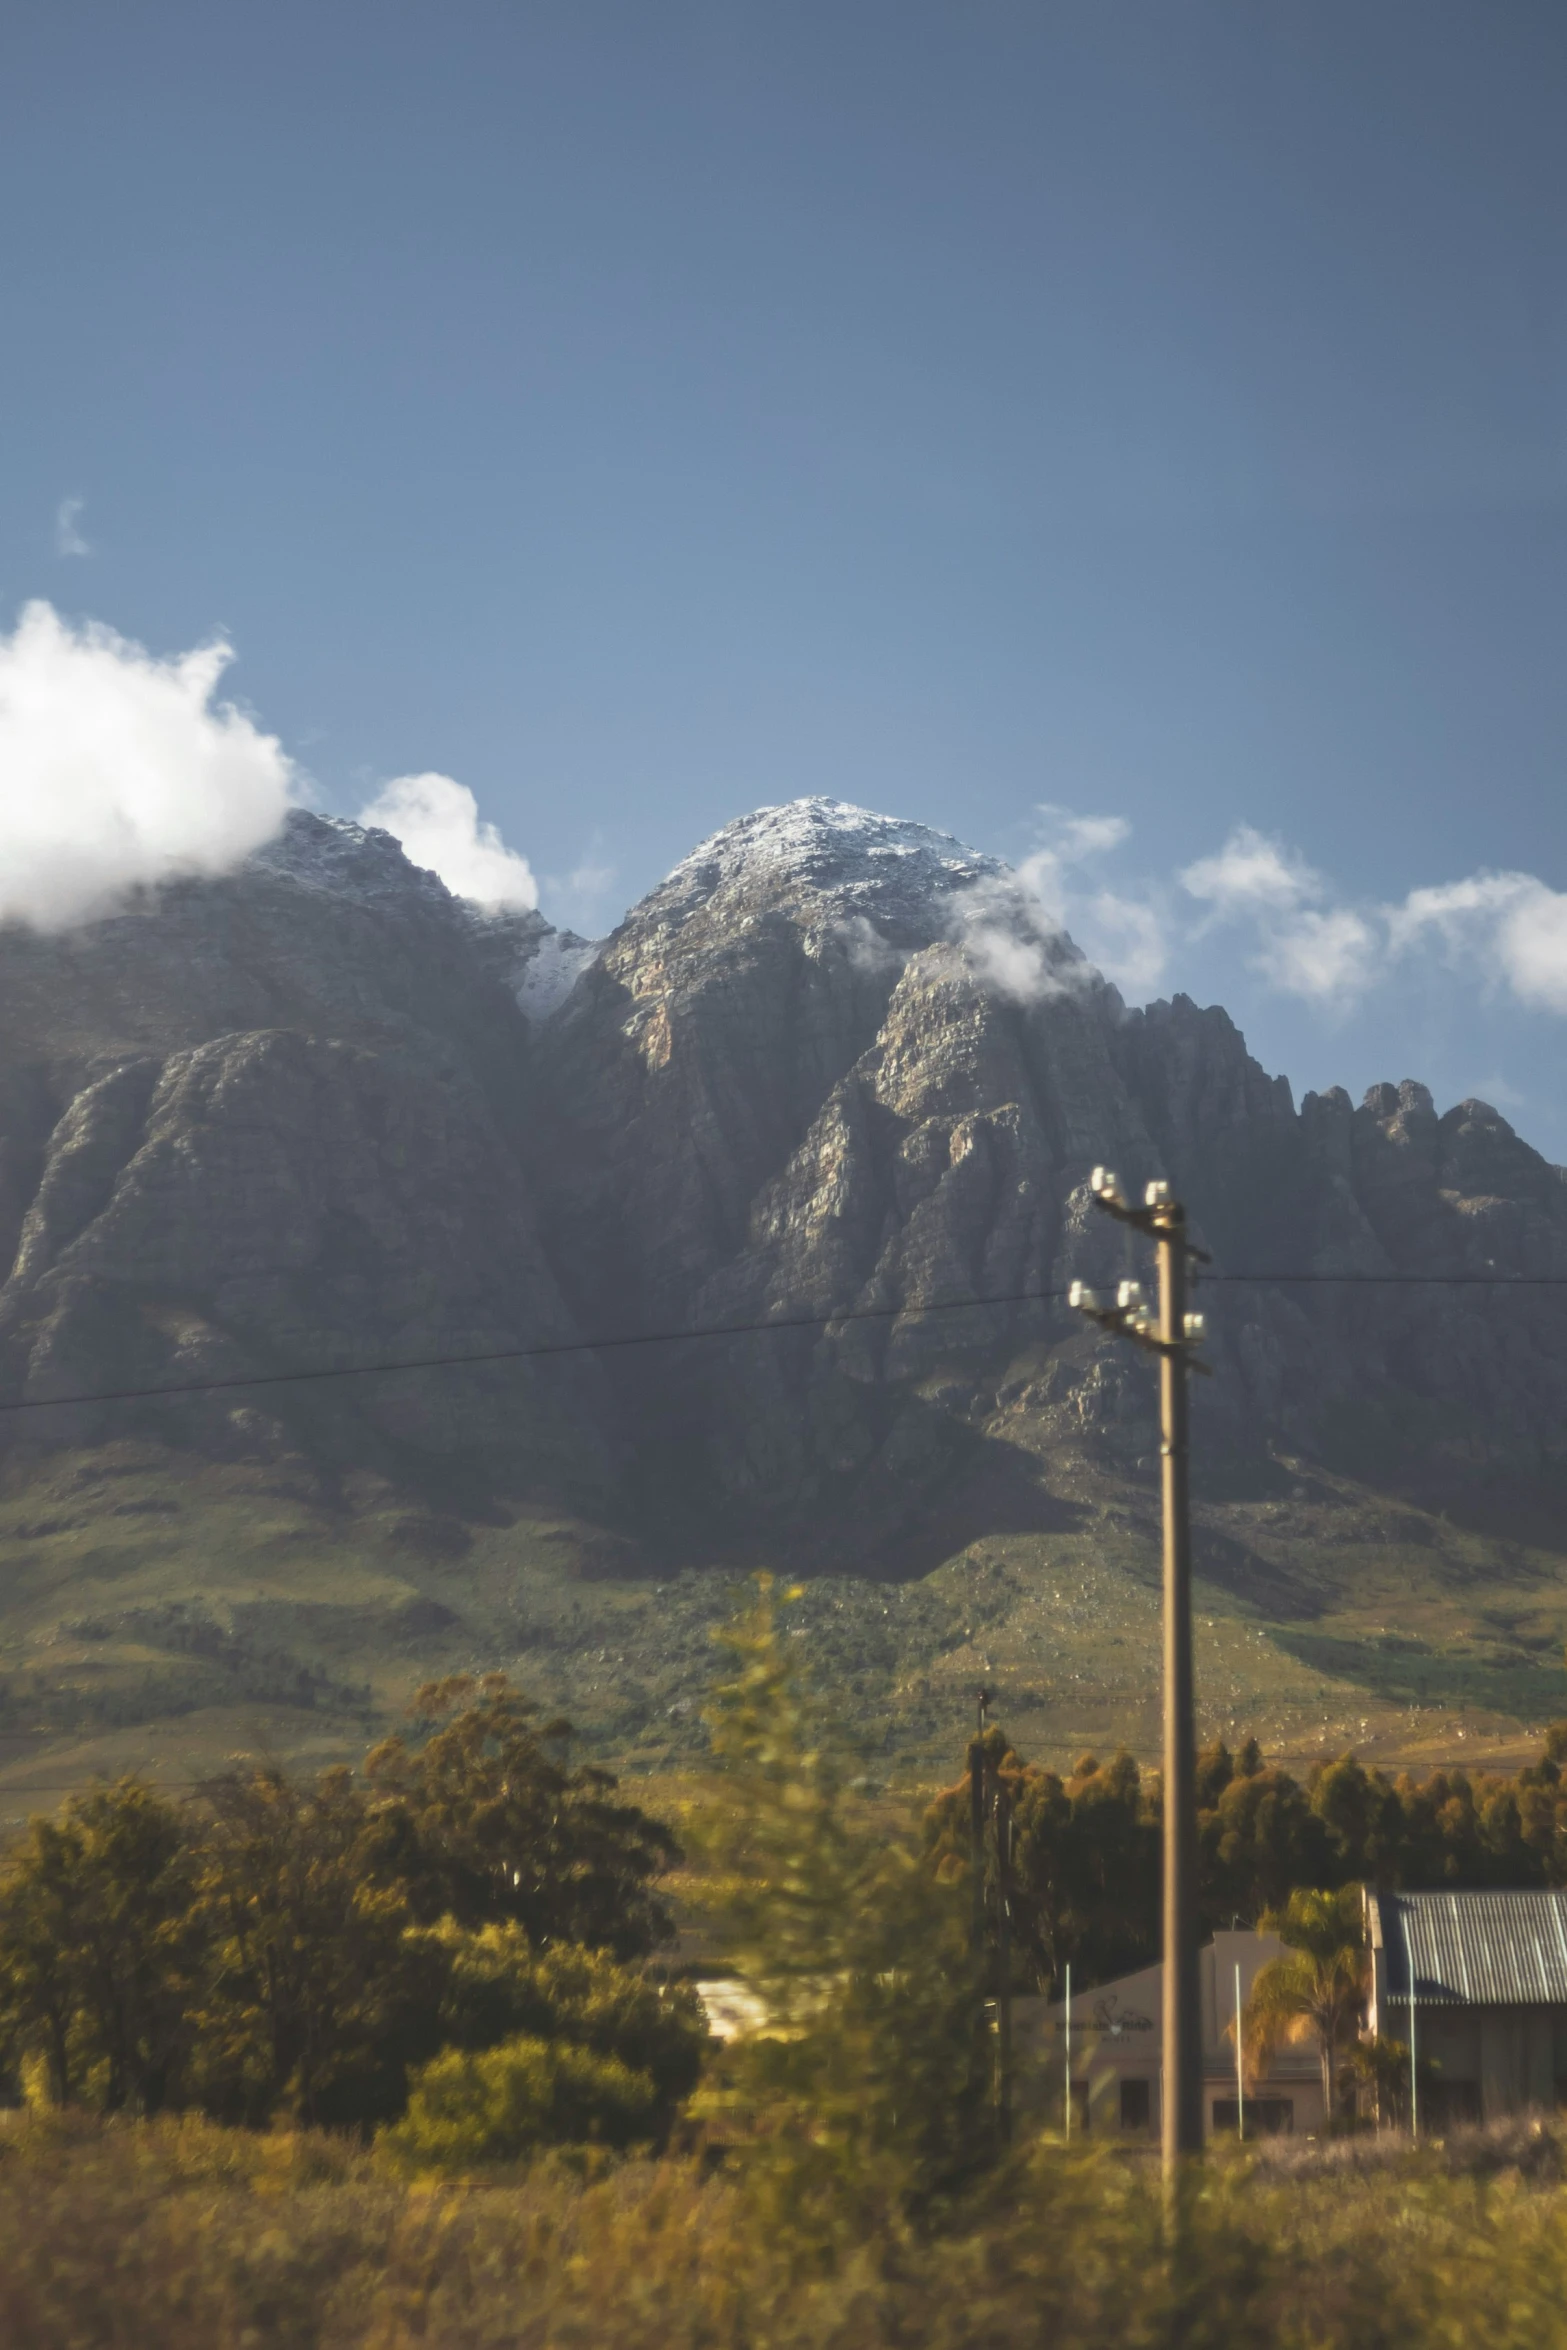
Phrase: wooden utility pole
{"type": "Point", "coordinates": [1171, 1336]}
{"type": "Point", "coordinates": [1181, 2121]}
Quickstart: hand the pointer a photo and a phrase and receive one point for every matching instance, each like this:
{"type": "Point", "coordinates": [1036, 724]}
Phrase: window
{"type": "Point", "coordinates": [1136, 2105]}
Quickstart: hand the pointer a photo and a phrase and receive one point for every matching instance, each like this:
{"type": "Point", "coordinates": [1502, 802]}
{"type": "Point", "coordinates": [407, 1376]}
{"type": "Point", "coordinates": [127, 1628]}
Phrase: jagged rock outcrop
{"type": "Point", "coordinates": [320, 1112]}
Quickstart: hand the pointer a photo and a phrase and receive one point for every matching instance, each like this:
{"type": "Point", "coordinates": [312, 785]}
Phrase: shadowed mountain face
{"type": "Point", "coordinates": [321, 1113]}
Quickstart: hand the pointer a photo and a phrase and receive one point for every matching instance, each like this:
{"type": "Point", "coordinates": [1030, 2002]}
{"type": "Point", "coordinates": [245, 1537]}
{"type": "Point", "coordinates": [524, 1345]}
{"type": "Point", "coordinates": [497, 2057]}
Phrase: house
{"type": "Point", "coordinates": [1489, 1972]}
{"type": "Point", "coordinates": [1115, 2043]}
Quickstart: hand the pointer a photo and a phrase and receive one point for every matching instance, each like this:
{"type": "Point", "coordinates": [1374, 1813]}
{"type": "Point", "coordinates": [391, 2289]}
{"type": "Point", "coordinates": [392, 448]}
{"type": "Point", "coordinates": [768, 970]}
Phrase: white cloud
{"type": "Point", "coordinates": [1251, 871]}
{"type": "Point", "coordinates": [1532, 945]}
{"type": "Point", "coordinates": [68, 539]}
{"type": "Point", "coordinates": [1512, 924]}
{"type": "Point", "coordinates": [1509, 928]}
{"type": "Point", "coordinates": [437, 820]}
{"type": "Point", "coordinates": [1464, 912]}
{"type": "Point", "coordinates": [118, 771]}
{"type": "Point", "coordinates": [1305, 938]}
{"type": "Point", "coordinates": [1126, 938]}
{"type": "Point", "coordinates": [1016, 932]}
{"type": "Point", "coordinates": [1083, 836]}
{"type": "Point", "coordinates": [1009, 951]}
{"type": "Point", "coordinates": [1326, 957]}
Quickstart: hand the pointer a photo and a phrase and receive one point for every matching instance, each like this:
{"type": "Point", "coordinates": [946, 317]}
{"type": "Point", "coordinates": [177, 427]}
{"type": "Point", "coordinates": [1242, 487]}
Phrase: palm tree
{"type": "Point", "coordinates": [1315, 1991]}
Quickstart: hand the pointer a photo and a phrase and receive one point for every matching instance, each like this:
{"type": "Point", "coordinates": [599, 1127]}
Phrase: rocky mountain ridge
{"type": "Point", "coordinates": [301, 1116]}
{"type": "Point", "coordinates": [321, 1115]}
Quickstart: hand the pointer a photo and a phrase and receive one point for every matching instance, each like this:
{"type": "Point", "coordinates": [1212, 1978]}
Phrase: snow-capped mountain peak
{"type": "Point", "coordinates": [893, 873]}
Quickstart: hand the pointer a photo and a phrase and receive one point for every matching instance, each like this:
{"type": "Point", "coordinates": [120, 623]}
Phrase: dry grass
{"type": "Point", "coordinates": [179, 2236]}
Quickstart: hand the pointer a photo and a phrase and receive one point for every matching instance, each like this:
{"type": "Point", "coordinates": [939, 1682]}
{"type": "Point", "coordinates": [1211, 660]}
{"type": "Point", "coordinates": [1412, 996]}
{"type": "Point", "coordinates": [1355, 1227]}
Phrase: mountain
{"type": "Point", "coordinates": [321, 1114]}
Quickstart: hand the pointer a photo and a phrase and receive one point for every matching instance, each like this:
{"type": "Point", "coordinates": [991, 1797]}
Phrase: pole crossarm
{"type": "Point", "coordinates": [1119, 1320]}
{"type": "Point", "coordinates": [1130, 1315]}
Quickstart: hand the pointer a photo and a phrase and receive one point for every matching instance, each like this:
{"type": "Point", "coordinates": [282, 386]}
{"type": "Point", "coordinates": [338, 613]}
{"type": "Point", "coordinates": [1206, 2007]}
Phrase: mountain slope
{"type": "Point", "coordinates": [320, 1113]}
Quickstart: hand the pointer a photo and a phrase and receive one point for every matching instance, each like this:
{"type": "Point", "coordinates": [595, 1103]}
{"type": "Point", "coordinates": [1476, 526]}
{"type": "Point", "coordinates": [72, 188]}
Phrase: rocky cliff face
{"type": "Point", "coordinates": [321, 1113]}
{"type": "Point", "coordinates": [272, 1123]}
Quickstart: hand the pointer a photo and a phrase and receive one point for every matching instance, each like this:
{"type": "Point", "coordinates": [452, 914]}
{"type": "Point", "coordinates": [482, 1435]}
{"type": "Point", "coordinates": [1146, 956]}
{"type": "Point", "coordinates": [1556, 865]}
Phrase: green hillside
{"type": "Point", "coordinates": [163, 1612]}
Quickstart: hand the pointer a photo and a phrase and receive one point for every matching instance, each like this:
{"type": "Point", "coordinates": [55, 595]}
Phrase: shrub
{"type": "Point", "coordinates": [469, 2108]}
{"type": "Point", "coordinates": [498, 1987]}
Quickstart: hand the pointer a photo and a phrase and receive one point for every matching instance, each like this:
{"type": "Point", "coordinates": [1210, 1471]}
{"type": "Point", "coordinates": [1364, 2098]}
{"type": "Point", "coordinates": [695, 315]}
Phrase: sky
{"type": "Point", "coordinates": [1131, 435]}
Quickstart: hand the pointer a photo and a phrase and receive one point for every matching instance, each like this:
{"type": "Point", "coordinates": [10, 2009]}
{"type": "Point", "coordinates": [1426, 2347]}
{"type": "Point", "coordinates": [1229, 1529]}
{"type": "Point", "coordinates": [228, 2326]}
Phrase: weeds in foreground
{"type": "Point", "coordinates": [178, 2235]}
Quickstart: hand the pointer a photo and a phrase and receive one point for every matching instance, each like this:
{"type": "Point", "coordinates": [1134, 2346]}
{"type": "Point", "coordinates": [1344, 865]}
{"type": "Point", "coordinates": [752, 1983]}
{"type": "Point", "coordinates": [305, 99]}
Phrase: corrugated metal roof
{"type": "Point", "coordinates": [1474, 1949]}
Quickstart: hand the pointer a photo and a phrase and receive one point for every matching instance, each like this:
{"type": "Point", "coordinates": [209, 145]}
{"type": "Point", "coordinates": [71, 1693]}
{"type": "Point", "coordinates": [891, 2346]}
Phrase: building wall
{"type": "Point", "coordinates": [1116, 2053]}
{"type": "Point", "coordinates": [1487, 2061]}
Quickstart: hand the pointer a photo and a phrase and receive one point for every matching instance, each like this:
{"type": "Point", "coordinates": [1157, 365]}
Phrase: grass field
{"type": "Point", "coordinates": [162, 1613]}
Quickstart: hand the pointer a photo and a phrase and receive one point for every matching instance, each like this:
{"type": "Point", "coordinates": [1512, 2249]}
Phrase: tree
{"type": "Point", "coordinates": [482, 1822]}
{"type": "Point", "coordinates": [96, 1946]}
{"type": "Point", "coordinates": [308, 1983]}
{"type": "Point", "coordinates": [1085, 1859]}
{"type": "Point", "coordinates": [870, 2077]}
{"type": "Point", "coordinates": [1257, 1837]}
{"type": "Point", "coordinates": [1316, 1991]}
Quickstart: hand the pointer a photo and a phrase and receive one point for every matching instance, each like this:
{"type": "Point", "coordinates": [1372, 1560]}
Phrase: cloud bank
{"type": "Point", "coordinates": [1297, 931]}
{"type": "Point", "coordinates": [1508, 929]}
{"type": "Point", "coordinates": [118, 770]}
{"type": "Point", "coordinates": [438, 822]}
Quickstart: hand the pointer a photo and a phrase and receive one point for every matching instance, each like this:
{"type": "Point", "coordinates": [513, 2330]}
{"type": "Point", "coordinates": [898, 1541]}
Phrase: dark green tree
{"type": "Point", "coordinates": [481, 1816]}
{"type": "Point", "coordinates": [310, 1988]}
{"type": "Point", "coordinates": [1085, 1860]}
{"type": "Point", "coordinates": [97, 1947]}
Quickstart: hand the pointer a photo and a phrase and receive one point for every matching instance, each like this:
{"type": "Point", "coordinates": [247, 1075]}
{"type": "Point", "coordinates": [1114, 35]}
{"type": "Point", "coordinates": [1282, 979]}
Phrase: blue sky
{"type": "Point", "coordinates": [1149, 412]}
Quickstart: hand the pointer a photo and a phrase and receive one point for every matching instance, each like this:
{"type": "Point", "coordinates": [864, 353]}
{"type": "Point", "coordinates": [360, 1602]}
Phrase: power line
{"type": "Point", "coordinates": [1404, 1280]}
{"type": "Point", "coordinates": [625, 1339]}
{"type": "Point", "coordinates": [522, 1354]}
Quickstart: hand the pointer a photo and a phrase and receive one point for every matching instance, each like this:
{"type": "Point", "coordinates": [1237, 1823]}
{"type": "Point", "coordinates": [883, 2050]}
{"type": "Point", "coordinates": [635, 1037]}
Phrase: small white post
{"type": "Point", "coordinates": [1414, 2080]}
{"type": "Point", "coordinates": [1240, 2069]}
{"type": "Point", "coordinates": [1069, 2049]}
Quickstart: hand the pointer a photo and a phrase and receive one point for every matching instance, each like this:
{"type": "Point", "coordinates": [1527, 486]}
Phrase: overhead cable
{"type": "Point", "coordinates": [832, 1320]}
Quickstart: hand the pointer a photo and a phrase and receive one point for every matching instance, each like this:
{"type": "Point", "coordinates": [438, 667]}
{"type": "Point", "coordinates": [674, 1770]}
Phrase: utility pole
{"type": "Point", "coordinates": [1414, 2076]}
{"type": "Point", "coordinates": [1171, 1336]}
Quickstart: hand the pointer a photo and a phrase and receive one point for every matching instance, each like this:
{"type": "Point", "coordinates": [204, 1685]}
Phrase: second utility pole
{"type": "Point", "coordinates": [1181, 2119]}
{"type": "Point", "coordinates": [1171, 1338]}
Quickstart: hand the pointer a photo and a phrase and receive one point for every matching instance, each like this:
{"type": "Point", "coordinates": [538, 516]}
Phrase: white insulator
{"type": "Point", "coordinates": [1157, 1195]}
{"type": "Point", "coordinates": [1102, 1183]}
{"type": "Point", "coordinates": [1197, 1327]}
{"type": "Point", "coordinates": [1084, 1299]}
{"type": "Point", "coordinates": [1129, 1297]}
